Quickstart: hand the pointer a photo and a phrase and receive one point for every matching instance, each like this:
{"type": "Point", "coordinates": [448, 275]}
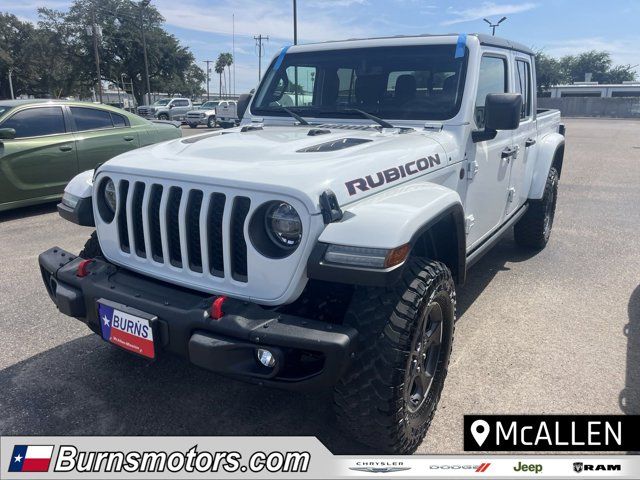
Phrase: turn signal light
{"type": "Point", "coordinates": [83, 268]}
{"type": "Point", "coordinates": [397, 256]}
{"type": "Point", "coordinates": [216, 308]}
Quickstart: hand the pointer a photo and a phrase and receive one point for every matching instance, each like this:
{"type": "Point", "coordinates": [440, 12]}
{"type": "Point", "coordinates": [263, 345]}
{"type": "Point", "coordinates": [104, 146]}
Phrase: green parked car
{"type": "Point", "coordinates": [45, 143]}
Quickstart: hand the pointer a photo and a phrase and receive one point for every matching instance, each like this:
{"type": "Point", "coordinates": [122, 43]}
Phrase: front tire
{"type": "Point", "coordinates": [91, 248]}
{"type": "Point", "coordinates": [211, 122]}
{"type": "Point", "coordinates": [389, 395]}
{"type": "Point", "coordinates": [533, 230]}
{"type": "Point", "coordinates": [163, 116]}
{"type": "Point", "coordinates": [193, 125]}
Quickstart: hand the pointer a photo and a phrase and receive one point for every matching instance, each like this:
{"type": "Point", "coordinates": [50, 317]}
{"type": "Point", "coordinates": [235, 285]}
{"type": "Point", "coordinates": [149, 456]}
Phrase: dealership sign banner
{"type": "Point", "coordinates": [274, 457]}
{"type": "Point", "coordinates": [552, 433]}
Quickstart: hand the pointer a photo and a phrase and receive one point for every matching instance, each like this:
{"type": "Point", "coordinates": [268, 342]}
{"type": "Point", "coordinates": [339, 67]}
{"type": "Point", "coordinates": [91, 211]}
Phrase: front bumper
{"type": "Point", "coordinates": [310, 354]}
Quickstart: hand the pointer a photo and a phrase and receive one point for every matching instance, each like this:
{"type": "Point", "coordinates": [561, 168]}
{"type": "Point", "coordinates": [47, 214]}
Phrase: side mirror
{"type": "Point", "coordinates": [243, 102]}
{"type": "Point", "coordinates": [501, 112]}
{"type": "Point", "coordinates": [171, 105]}
{"type": "Point", "coordinates": [7, 133]}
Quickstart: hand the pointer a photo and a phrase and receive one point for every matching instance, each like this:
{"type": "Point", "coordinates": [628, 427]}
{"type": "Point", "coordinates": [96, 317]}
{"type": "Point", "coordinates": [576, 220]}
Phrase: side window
{"type": "Point", "coordinates": [119, 120]}
{"type": "Point", "coordinates": [493, 79]}
{"type": "Point", "coordinates": [181, 103]}
{"type": "Point", "coordinates": [523, 86]}
{"type": "Point", "coordinates": [91, 118]}
{"type": "Point", "coordinates": [36, 122]}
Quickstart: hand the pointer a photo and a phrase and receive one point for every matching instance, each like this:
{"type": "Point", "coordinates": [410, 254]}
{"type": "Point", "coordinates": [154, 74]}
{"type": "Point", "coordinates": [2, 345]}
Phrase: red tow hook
{"type": "Point", "coordinates": [216, 308]}
{"type": "Point", "coordinates": [83, 268]}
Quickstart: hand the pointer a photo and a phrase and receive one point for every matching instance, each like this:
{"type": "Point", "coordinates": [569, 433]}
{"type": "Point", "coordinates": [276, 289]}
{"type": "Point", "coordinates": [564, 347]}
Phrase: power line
{"type": "Point", "coordinates": [259, 39]}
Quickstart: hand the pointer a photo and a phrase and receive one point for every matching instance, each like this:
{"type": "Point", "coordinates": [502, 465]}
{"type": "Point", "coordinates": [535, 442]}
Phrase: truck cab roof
{"type": "Point", "coordinates": [482, 38]}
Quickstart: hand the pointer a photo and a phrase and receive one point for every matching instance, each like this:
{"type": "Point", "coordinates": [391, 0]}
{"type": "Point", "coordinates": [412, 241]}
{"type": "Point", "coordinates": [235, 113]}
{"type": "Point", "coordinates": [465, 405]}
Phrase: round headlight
{"type": "Point", "coordinates": [283, 225]}
{"type": "Point", "coordinates": [110, 195]}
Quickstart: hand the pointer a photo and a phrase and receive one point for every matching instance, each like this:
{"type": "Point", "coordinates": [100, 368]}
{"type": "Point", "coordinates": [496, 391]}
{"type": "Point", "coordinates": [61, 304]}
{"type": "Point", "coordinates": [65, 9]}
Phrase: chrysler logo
{"type": "Point", "coordinates": [379, 469]}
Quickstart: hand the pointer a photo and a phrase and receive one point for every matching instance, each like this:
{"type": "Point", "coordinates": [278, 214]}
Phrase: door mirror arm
{"type": "Point", "coordinates": [483, 135]}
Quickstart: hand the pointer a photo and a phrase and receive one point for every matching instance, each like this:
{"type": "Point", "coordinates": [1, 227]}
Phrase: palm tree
{"type": "Point", "coordinates": [228, 60]}
{"type": "Point", "coordinates": [219, 69]}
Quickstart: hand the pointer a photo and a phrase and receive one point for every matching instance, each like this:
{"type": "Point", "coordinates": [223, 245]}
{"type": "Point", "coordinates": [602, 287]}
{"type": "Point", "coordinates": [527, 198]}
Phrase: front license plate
{"type": "Point", "coordinates": [127, 331]}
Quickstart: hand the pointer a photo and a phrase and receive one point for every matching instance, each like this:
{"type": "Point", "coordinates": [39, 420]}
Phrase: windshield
{"type": "Point", "coordinates": [162, 103]}
{"type": "Point", "coordinates": [422, 82]}
{"type": "Point", "coordinates": [207, 105]}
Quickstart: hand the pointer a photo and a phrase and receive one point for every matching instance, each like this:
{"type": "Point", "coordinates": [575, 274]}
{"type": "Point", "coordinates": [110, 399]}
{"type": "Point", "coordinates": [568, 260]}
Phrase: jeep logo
{"type": "Point", "coordinates": [531, 467]}
{"type": "Point", "coordinates": [391, 174]}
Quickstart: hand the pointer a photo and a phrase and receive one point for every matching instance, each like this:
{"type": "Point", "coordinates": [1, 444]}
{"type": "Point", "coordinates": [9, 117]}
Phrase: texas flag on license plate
{"type": "Point", "coordinates": [31, 458]}
{"type": "Point", "coordinates": [127, 331]}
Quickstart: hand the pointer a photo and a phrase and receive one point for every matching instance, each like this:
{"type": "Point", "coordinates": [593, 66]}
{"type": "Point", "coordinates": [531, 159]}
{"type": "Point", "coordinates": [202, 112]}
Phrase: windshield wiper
{"type": "Point", "coordinates": [378, 120]}
{"type": "Point", "coordinates": [301, 120]}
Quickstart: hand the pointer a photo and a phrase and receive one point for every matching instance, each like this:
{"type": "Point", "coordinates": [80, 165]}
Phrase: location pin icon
{"type": "Point", "coordinates": [480, 431]}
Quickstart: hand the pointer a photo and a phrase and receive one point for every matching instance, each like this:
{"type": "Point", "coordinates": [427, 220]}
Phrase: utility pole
{"type": "Point", "coordinates": [259, 39]}
{"type": "Point", "coordinates": [94, 30]}
{"type": "Point", "coordinates": [11, 83]}
{"type": "Point", "coordinates": [143, 4]}
{"type": "Point", "coordinates": [208, 71]}
{"type": "Point", "coordinates": [295, 22]}
{"type": "Point", "coordinates": [494, 25]}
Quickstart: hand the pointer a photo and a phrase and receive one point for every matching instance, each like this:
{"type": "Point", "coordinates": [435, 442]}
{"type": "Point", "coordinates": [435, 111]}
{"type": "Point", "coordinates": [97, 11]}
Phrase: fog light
{"type": "Point", "coordinates": [266, 358]}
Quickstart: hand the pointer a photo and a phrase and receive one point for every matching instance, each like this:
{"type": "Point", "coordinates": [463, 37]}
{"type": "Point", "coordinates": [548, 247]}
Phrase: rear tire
{"type": "Point", "coordinates": [533, 230]}
{"type": "Point", "coordinates": [211, 122]}
{"type": "Point", "coordinates": [91, 248]}
{"type": "Point", "coordinates": [389, 395]}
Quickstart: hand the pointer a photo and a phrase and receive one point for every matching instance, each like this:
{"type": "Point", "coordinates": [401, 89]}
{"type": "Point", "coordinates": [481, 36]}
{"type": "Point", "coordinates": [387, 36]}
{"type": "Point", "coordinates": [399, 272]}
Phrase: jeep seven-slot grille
{"type": "Point", "coordinates": [185, 228]}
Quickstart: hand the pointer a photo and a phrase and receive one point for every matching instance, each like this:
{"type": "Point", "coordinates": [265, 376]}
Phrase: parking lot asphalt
{"type": "Point", "coordinates": [552, 332]}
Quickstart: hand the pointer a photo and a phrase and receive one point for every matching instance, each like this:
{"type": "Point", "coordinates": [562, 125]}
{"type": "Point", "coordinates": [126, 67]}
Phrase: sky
{"type": "Point", "coordinates": [559, 27]}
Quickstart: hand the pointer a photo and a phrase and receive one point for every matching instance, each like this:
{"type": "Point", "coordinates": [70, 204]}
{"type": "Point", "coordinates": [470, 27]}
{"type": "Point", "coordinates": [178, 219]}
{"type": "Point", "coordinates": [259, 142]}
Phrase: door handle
{"type": "Point", "coordinates": [128, 138]}
{"type": "Point", "coordinates": [66, 148]}
{"type": "Point", "coordinates": [510, 152]}
{"type": "Point", "coordinates": [530, 142]}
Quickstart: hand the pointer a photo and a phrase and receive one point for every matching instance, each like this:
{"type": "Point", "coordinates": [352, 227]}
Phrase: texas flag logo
{"type": "Point", "coordinates": [127, 331]}
{"type": "Point", "coordinates": [31, 458]}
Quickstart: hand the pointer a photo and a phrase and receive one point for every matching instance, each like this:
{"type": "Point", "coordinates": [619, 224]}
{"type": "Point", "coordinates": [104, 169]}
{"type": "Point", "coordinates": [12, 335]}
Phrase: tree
{"type": "Point", "coordinates": [56, 58]}
{"type": "Point", "coordinates": [228, 61]}
{"type": "Point", "coordinates": [574, 68]}
{"type": "Point", "coordinates": [219, 69]}
{"type": "Point", "coordinates": [548, 72]}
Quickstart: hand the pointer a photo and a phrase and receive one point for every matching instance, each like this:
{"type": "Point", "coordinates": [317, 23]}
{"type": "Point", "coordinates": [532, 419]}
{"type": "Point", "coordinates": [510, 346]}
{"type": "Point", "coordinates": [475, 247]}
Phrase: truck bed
{"type": "Point", "coordinates": [548, 121]}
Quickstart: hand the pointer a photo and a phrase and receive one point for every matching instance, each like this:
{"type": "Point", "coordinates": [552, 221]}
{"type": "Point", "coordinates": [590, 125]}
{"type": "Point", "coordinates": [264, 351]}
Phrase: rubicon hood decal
{"type": "Point", "coordinates": [391, 174]}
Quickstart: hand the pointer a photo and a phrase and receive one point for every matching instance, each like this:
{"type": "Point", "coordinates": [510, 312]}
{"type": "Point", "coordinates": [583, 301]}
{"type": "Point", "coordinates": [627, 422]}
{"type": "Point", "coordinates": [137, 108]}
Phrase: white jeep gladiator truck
{"type": "Point", "coordinates": [320, 245]}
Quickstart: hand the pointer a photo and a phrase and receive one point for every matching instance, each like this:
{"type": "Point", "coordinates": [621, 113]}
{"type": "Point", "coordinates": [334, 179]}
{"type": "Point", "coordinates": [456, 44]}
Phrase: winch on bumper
{"type": "Point", "coordinates": [308, 354]}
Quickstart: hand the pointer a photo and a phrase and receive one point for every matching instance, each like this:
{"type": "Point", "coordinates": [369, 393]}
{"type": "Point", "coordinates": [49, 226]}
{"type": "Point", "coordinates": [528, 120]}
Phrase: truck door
{"type": "Point", "coordinates": [524, 137]}
{"type": "Point", "coordinates": [179, 109]}
{"type": "Point", "coordinates": [488, 165]}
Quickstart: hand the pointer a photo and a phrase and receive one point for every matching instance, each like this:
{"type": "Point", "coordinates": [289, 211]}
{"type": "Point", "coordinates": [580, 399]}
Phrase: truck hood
{"type": "Point", "coordinates": [301, 161]}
